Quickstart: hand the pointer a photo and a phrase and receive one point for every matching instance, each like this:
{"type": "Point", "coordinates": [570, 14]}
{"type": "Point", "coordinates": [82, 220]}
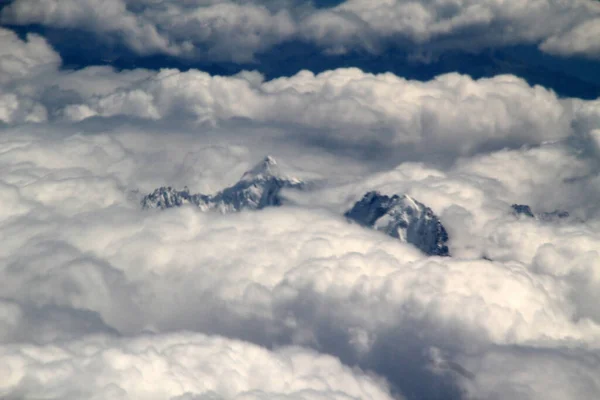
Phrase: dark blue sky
{"type": "Point", "coordinates": [568, 76]}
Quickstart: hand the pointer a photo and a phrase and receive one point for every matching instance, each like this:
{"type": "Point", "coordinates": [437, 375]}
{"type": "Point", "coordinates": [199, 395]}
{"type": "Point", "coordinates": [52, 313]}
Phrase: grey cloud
{"type": "Point", "coordinates": [236, 31]}
{"type": "Point", "coordinates": [544, 370]}
{"type": "Point", "coordinates": [111, 17]}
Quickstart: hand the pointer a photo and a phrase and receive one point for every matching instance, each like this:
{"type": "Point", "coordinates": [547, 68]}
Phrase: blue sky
{"type": "Point", "coordinates": [571, 74]}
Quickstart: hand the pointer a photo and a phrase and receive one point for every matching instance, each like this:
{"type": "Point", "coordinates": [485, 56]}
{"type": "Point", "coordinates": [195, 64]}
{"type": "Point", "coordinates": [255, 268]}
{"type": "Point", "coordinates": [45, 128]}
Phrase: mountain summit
{"type": "Point", "coordinates": [266, 169]}
{"type": "Point", "coordinates": [399, 216]}
{"type": "Point", "coordinates": [258, 188]}
{"type": "Point", "coordinates": [402, 217]}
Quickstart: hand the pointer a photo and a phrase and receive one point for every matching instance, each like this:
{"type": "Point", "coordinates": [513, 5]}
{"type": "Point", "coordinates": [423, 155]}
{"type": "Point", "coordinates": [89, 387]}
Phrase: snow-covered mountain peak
{"type": "Point", "coordinates": [402, 217]}
{"type": "Point", "coordinates": [258, 188]}
{"type": "Point", "coordinates": [268, 168]}
{"type": "Point", "coordinates": [168, 197]}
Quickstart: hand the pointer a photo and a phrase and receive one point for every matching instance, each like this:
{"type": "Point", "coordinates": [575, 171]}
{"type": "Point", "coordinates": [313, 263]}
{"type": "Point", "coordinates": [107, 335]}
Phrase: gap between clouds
{"type": "Point", "coordinates": [238, 30]}
{"type": "Point", "coordinates": [344, 110]}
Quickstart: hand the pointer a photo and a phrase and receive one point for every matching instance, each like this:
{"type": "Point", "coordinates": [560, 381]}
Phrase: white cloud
{"type": "Point", "coordinates": [21, 60]}
{"type": "Point", "coordinates": [182, 366]}
{"type": "Point", "coordinates": [237, 31]}
{"type": "Point", "coordinates": [92, 262]}
{"type": "Point", "coordinates": [582, 39]}
{"type": "Point", "coordinates": [451, 114]}
{"type": "Point", "coordinates": [24, 58]}
{"type": "Point", "coordinates": [109, 18]}
{"type": "Point", "coordinates": [79, 260]}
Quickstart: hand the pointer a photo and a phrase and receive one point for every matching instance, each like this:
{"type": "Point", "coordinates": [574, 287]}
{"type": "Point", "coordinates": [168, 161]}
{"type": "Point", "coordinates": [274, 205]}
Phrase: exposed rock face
{"type": "Point", "coordinates": [522, 209]}
{"type": "Point", "coordinates": [258, 188]}
{"type": "Point", "coordinates": [402, 217]}
{"type": "Point", "coordinates": [167, 197]}
{"type": "Point", "coordinates": [399, 216]}
{"type": "Point", "coordinates": [525, 210]}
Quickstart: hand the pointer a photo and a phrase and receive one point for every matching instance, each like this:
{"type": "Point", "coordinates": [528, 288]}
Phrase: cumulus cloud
{"type": "Point", "coordinates": [112, 18]}
{"type": "Point", "coordinates": [94, 263]}
{"type": "Point", "coordinates": [23, 58]}
{"type": "Point", "coordinates": [237, 31]}
{"type": "Point", "coordinates": [182, 366]}
{"type": "Point", "coordinates": [542, 371]}
{"type": "Point", "coordinates": [33, 89]}
{"type": "Point", "coordinates": [346, 108]}
{"type": "Point", "coordinates": [580, 40]}
{"type": "Point", "coordinates": [97, 295]}
{"type": "Point", "coordinates": [451, 115]}
{"type": "Point", "coordinates": [20, 61]}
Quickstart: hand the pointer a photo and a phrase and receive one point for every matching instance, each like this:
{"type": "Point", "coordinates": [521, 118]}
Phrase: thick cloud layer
{"type": "Point", "coordinates": [237, 30]}
{"type": "Point", "coordinates": [450, 116]}
{"type": "Point", "coordinates": [97, 295]}
{"type": "Point", "coordinates": [93, 262]}
{"type": "Point", "coordinates": [183, 366]}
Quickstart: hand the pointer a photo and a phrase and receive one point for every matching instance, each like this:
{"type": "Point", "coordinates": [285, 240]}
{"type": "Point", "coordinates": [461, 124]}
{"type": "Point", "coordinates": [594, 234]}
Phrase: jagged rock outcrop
{"type": "Point", "coordinates": [258, 188]}
{"type": "Point", "coordinates": [522, 209]}
{"type": "Point", "coordinates": [167, 197]}
{"type": "Point", "coordinates": [399, 216]}
{"type": "Point", "coordinates": [402, 217]}
{"type": "Point", "coordinates": [525, 210]}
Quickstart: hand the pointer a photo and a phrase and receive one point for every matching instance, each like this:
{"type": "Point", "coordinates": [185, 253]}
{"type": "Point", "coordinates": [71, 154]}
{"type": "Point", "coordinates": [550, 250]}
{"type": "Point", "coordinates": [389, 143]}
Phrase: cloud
{"type": "Point", "coordinates": [179, 366]}
{"type": "Point", "coordinates": [580, 40]}
{"type": "Point", "coordinates": [97, 294]}
{"type": "Point", "coordinates": [346, 108]}
{"type": "Point", "coordinates": [21, 59]}
{"type": "Point", "coordinates": [32, 89]}
{"type": "Point", "coordinates": [111, 18]}
{"type": "Point", "coordinates": [236, 31]}
{"type": "Point", "coordinates": [542, 371]}
{"type": "Point", "coordinates": [94, 263]}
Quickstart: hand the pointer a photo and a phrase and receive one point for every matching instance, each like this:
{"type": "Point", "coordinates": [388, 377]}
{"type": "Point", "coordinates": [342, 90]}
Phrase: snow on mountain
{"type": "Point", "coordinates": [402, 217]}
{"type": "Point", "coordinates": [167, 197]}
{"type": "Point", "coordinates": [258, 188]}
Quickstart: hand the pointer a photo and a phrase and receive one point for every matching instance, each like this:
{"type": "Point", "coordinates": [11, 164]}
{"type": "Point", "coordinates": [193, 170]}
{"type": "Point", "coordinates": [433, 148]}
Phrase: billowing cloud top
{"type": "Point", "coordinates": [100, 298]}
{"type": "Point", "coordinates": [238, 30]}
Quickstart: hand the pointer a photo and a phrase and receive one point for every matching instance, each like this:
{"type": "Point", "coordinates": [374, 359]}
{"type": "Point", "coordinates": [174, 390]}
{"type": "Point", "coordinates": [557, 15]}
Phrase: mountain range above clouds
{"type": "Point", "coordinates": [258, 188]}
{"type": "Point", "coordinates": [525, 210]}
{"type": "Point", "coordinates": [399, 215]}
{"type": "Point", "coordinates": [427, 230]}
{"type": "Point", "coordinates": [404, 218]}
